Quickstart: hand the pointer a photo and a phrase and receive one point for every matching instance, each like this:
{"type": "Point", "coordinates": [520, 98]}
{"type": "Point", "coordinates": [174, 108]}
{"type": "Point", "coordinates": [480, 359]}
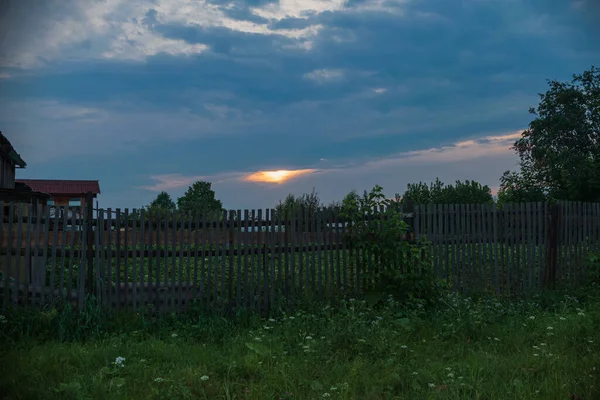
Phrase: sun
{"type": "Point", "coordinates": [278, 176]}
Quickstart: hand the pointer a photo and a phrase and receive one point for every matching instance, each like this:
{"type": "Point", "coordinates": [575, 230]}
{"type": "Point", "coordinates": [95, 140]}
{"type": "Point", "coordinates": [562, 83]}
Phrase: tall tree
{"type": "Point", "coordinates": [560, 151]}
{"type": "Point", "coordinates": [467, 192]}
{"type": "Point", "coordinates": [199, 197]}
{"type": "Point", "coordinates": [163, 203]}
{"type": "Point", "coordinates": [519, 188]}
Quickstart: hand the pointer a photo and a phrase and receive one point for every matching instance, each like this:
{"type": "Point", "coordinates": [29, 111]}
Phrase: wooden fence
{"type": "Point", "coordinates": [257, 261]}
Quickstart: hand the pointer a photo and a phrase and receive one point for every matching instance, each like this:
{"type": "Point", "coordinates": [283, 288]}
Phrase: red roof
{"type": "Point", "coordinates": [54, 186]}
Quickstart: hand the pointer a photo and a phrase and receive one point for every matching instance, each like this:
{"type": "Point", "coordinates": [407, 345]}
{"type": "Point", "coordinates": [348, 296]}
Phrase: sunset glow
{"type": "Point", "coordinates": [279, 176]}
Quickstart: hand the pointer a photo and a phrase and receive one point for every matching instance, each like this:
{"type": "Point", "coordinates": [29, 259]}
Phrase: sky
{"type": "Point", "coordinates": [152, 95]}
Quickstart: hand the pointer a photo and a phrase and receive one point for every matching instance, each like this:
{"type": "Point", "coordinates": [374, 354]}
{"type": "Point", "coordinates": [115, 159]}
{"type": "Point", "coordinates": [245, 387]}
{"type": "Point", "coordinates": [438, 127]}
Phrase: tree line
{"type": "Point", "coordinates": [559, 157]}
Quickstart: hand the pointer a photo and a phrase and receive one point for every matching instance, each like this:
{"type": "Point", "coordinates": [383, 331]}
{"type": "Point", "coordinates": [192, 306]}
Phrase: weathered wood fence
{"type": "Point", "coordinates": [256, 260]}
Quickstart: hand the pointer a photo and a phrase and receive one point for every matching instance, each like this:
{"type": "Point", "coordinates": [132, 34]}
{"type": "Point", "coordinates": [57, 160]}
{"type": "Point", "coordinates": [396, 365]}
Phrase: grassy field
{"type": "Point", "coordinates": [545, 347]}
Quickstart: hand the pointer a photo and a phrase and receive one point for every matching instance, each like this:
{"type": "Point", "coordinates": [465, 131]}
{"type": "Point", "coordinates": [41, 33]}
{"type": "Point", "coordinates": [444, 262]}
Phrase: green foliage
{"type": "Point", "coordinates": [593, 268]}
{"type": "Point", "coordinates": [292, 204]}
{"type": "Point", "coordinates": [162, 204]}
{"type": "Point", "coordinates": [377, 229]}
{"type": "Point", "coordinates": [519, 188]}
{"type": "Point", "coordinates": [560, 151]}
{"type": "Point", "coordinates": [199, 197]}
{"type": "Point", "coordinates": [467, 192]}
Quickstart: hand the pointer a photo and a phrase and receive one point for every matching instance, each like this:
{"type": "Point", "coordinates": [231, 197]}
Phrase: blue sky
{"type": "Point", "coordinates": [150, 95]}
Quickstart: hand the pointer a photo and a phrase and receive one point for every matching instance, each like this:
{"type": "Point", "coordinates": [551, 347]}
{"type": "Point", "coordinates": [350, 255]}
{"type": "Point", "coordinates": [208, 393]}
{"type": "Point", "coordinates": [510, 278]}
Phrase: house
{"type": "Point", "coordinates": [64, 193]}
{"type": "Point", "coordinates": [10, 190]}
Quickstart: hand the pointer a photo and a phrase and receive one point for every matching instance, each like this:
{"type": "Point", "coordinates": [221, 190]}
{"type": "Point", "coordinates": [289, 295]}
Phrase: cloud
{"type": "Point", "coordinates": [325, 75]}
{"type": "Point", "coordinates": [125, 29]}
{"type": "Point", "coordinates": [4, 75]}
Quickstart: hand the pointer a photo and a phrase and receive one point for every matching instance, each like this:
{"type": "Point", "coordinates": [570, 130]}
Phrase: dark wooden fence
{"type": "Point", "coordinates": [257, 260]}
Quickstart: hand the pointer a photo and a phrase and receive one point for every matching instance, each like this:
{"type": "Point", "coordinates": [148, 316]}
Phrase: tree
{"type": "Point", "coordinates": [560, 151]}
{"type": "Point", "coordinates": [519, 188]}
{"type": "Point", "coordinates": [467, 192]}
{"type": "Point", "coordinates": [199, 197]}
{"type": "Point", "coordinates": [289, 207]}
{"type": "Point", "coordinates": [163, 203]}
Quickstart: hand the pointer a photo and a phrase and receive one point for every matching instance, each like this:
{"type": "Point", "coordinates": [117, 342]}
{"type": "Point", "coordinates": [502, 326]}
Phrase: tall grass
{"type": "Point", "coordinates": [543, 347]}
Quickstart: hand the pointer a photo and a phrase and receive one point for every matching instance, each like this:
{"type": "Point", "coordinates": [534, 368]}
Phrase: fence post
{"type": "Point", "coordinates": [89, 203]}
{"type": "Point", "coordinates": [552, 247]}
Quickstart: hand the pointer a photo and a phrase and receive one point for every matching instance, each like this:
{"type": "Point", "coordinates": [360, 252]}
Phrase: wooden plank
{"type": "Point", "coordinates": [301, 253]}
{"type": "Point", "coordinates": [266, 265]}
{"type": "Point", "coordinates": [27, 264]}
{"type": "Point", "coordinates": [195, 295]}
{"type": "Point", "coordinates": [568, 241]}
{"type": "Point", "coordinates": [453, 243]}
{"type": "Point", "coordinates": [280, 252]}
{"type": "Point", "coordinates": [46, 229]}
{"type": "Point", "coordinates": [344, 259]}
{"type": "Point", "coordinates": [160, 244]}
{"type": "Point", "coordinates": [83, 244]}
{"type": "Point", "coordinates": [246, 247]}
{"type": "Point", "coordinates": [471, 234]}
{"type": "Point", "coordinates": [135, 260]}
{"type": "Point", "coordinates": [142, 260]}
{"type": "Point", "coordinates": [578, 240]}
{"type": "Point", "coordinates": [172, 272]}
{"type": "Point", "coordinates": [211, 274]}
{"type": "Point", "coordinates": [337, 255]}
{"type": "Point", "coordinates": [17, 260]}
{"type": "Point", "coordinates": [147, 262]}
{"type": "Point", "coordinates": [432, 212]}
{"type": "Point", "coordinates": [329, 270]}
{"type": "Point", "coordinates": [508, 225]}
{"type": "Point", "coordinates": [108, 263]}
{"type": "Point", "coordinates": [305, 265]}
{"type": "Point", "coordinates": [223, 253]}
{"type": "Point", "coordinates": [72, 242]}
{"type": "Point", "coordinates": [100, 255]}
{"type": "Point", "coordinates": [239, 277]}
{"type": "Point", "coordinates": [204, 268]}
{"type": "Point", "coordinates": [446, 234]}
{"type": "Point", "coordinates": [179, 281]}
{"type": "Point", "coordinates": [272, 267]}
{"type": "Point", "coordinates": [464, 248]}
{"type": "Point", "coordinates": [253, 246]}
{"type": "Point", "coordinates": [484, 245]}
{"type": "Point", "coordinates": [540, 216]}
{"type": "Point", "coordinates": [63, 253]}
{"type": "Point", "coordinates": [231, 276]}
{"type": "Point", "coordinates": [495, 245]}
{"type": "Point", "coordinates": [595, 227]}
{"type": "Point", "coordinates": [6, 272]}
{"type": "Point", "coordinates": [118, 224]}
{"type": "Point", "coordinates": [259, 262]}
{"type": "Point", "coordinates": [530, 249]}
{"type": "Point", "coordinates": [475, 234]}
{"type": "Point", "coordinates": [319, 241]}
{"type": "Point", "coordinates": [126, 260]}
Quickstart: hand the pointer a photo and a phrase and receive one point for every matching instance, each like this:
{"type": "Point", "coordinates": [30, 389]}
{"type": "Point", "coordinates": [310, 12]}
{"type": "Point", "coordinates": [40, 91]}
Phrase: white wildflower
{"type": "Point", "coordinates": [120, 362]}
{"type": "Point", "coordinates": [204, 378]}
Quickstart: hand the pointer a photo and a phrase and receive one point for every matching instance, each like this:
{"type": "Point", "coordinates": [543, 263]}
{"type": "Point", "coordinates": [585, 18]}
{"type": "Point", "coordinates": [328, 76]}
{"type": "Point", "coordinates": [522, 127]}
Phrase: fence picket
{"type": "Point", "coordinates": [46, 225]}
{"type": "Point", "coordinates": [134, 261]}
{"type": "Point", "coordinates": [238, 242]}
{"type": "Point", "coordinates": [126, 260]}
{"type": "Point", "coordinates": [6, 272]}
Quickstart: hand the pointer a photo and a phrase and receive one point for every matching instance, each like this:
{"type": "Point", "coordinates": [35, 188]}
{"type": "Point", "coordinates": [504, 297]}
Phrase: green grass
{"type": "Point", "coordinates": [461, 348]}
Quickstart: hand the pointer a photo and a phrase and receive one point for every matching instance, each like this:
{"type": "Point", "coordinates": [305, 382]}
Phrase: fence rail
{"type": "Point", "coordinates": [171, 260]}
